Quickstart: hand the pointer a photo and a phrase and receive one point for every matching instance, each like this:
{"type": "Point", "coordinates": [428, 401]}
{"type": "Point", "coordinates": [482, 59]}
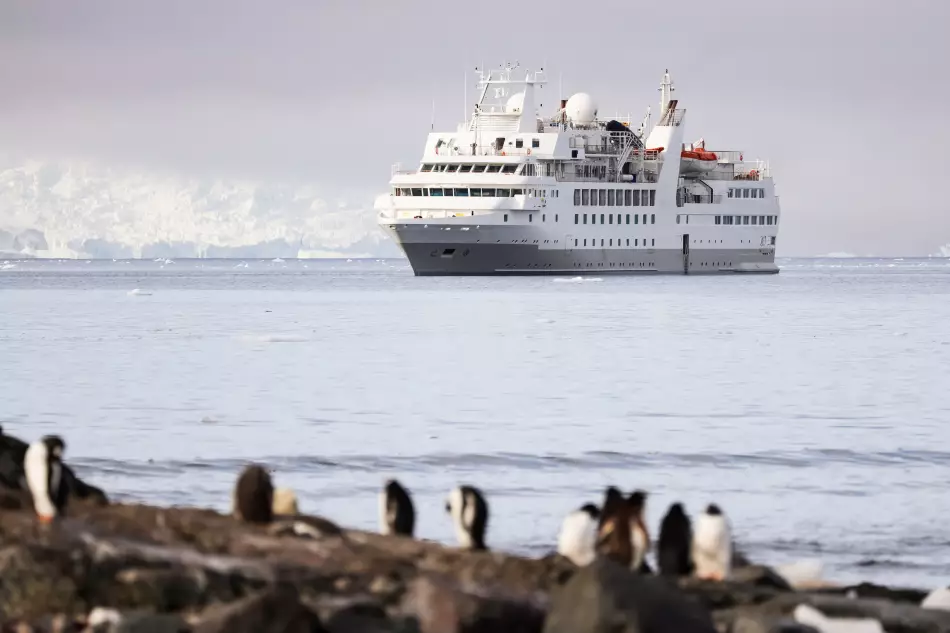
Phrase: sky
{"type": "Point", "coordinates": [846, 99]}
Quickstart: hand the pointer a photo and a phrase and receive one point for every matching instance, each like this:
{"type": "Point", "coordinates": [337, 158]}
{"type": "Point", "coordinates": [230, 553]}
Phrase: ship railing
{"type": "Point", "coordinates": [727, 156]}
{"type": "Point", "coordinates": [647, 176]}
{"type": "Point", "coordinates": [398, 169]}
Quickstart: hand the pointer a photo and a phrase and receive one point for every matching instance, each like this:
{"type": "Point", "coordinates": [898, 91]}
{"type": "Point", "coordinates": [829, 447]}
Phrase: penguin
{"type": "Point", "coordinates": [614, 534]}
{"type": "Point", "coordinates": [712, 545]}
{"type": "Point", "coordinates": [396, 513]}
{"type": "Point", "coordinates": [253, 499]}
{"type": "Point", "coordinates": [673, 554]}
{"type": "Point", "coordinates": [285, 502]}
{"type": "Point", "coordinates": [43, 466]}
{"type": "Point", "coordinates": [12, 454]}
{"type": "Point", "coordinates": [469, 512]}
{"type": "Point", "coordinates": [578, 537]}
{"type": "Point", "coordinates": [639, 535]}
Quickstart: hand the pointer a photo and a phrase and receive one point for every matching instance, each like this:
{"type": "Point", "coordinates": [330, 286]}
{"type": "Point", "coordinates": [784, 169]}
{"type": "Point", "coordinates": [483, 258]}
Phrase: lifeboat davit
{"type": "Point", "coordinates": [697, 160]}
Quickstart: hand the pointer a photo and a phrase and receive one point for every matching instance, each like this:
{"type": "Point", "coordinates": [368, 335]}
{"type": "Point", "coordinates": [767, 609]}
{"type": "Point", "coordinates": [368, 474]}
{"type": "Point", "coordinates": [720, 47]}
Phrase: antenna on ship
{"type": "Point", "coordinates": [666, 91]}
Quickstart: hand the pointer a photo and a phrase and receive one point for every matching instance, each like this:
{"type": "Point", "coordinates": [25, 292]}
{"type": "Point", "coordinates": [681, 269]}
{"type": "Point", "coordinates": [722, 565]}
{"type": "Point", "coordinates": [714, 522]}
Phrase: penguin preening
{"type": "Point", "coordinates": [614, 534]}
{"type": "Point", "coordinates": [577, 540]}
{"type": "Point", "coordinates": [676, 539]}
{"type": "Point", "coordinates": [639, 535]}
{"type": "Point", "coordinates": [469, 511]}
{"type": "Point", "coordinates": [396, 512]}
{"type": "Point", "coordinates": [253, 499]}
{"type": "Point", "coordinates": [712, 545]}
{"type": "Point", "coordinates": [44, 477]}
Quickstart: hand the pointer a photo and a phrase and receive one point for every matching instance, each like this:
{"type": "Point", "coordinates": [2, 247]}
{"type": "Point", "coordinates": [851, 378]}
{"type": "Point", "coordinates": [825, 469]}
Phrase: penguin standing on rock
{"type": "Point", "coordinates": [712, 545]}
{"type": "Point", "coordinates": [44, 477]}
{"type": "Point", "coordinates": [676, 539]}
{"type": "Point", "coordinates": [253, 499]}
{"type": "Point", "coordinates": [614, 534]}
{"type": "Point", "coordinates": [469, 511]}
{"type": "Point", "coordinates": [396, 513]}
{"type": "Point", "coordinates": [577, 540]}
{"type": "Point", "coordinates": [639, 535]}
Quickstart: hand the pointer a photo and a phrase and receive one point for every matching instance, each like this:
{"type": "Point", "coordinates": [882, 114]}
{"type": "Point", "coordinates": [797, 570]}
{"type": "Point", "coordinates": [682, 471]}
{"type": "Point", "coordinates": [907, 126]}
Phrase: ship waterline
{"type": "Point", "coordinates": [511, 192]}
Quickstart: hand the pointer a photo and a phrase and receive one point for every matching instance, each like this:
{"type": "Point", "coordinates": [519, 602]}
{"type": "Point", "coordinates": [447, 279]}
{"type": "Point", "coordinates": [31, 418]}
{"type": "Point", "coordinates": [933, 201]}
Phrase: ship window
{"type": "Point", "coordinates": [610, 219]}
{"type": "Point", "coordinates": [652, 218]}
{"type": "Point", "coordinates": [745, 193]}
{"type": "Point", "coordinates": [628, 218]}
{"type": "Point", "coordinates": [601, 241]}
{"type": "Point", "coordinates": [535, 142]}
{"type": "Point", "coordinates": [652, 197]}
{"type": "Point", "coordinates": [626, 198]}
{"type": "Point", "coordinates": [593, 218]}
{"type": "Point", "coordinates": [416, 191]}
{"type": "Point", "coordinates": [576, 218]}
{"type": "Point", "coordinates": [404, 192]}
{"type": "Point", "coordinates": [585, 219]}
{"type": "Point", "coordinates": [603, 198]}
{"type": "Point", "coordinates": [509, 169]}
{"type": "Point", "coordinates": [769, 220]}
{"type": "Point", "coordinates": [555, 217]}
{"type": "Point", "coordinates": [488, 193]}
{"type": "Point", "coordinates": [610, 198]}
{"type": "Point", "coordinates": [530, 218]}
{"type": "Point", "coordinates": [755, 219]}
{"type": "Point", "coordinates": [773, 240]}
{"type": "Point", "coordinates": [729, 194]}
{"type": "Point", "coordinates": [493, 169]}
{"type": "Point", "coordinates": [593, 197]}
{"type": "Point", "coordinates": [519, 143]}
{"type": "Point", "coordinates": [636, 198]}
{"type": "Point", "coordinates": [745, 219]}
{"type": "Point", "coordinates": [503, 193]}
{"type": "Point", "coordinates": [737, 219]}
{"type": "Point", "coordinates": [644, 198]}
{"type": "Point", "coordinates": [478, 169]}
{"type": "Point", "coordinates": [761, 193]}
{"type": "Point", "coordinates": [577, 197]}
{"type": "Point", "coordinates": [506, 217]}
{"type": "Point", "coordinates": [448, 191]}
{"type": "Point", "coordinates": [585, 241]}
{"type": "Point", "coordinates": [628, 241]}
{"type": "Point", "coordinates": [544, 217]}
{"type": "Point", "coordinates": [426, 168]}
{"type": "Point", "coordinates": [517, 192]}
{"type": "Point", "coordinates": [677, 219]}
{"type": "Point", "coordinates": [464, 169]}
{"type": "Point", "coordinates": [461, 192]}
{"type": "Point", "coordinates": [452, 168]}
{"type": "Point", "coordinates": [636, 218]}
{"type": "Point", "coordinates": [637, 242]}
{"type": "Point", "coordinates": [718, 219]}
{"type": "Point", "coordinates": [652, 241]}
{"type": "Point", "coordinates": [585, 197]}
{"type": "Point", "coordinates": [601, 218]}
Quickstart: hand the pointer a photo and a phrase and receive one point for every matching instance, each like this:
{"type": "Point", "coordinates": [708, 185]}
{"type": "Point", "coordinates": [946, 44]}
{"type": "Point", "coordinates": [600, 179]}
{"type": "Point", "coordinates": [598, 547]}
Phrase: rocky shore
{"type": "Point", "coordinates": [137, 568]}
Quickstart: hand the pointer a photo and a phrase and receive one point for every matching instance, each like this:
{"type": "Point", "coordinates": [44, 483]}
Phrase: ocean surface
{"type": "Point", "coordinates": [813, 406]}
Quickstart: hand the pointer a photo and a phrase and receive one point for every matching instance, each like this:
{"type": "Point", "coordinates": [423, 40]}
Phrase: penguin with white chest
{"type": "Point", "coordinates": [639, 535]}
{"type": "Point", "coordinates": [469, 511]}
{"type": "Point", "coordinates": [712, 545]}
{"type": "Point", "coordinates": [577, 540]}
{"type": "Point", "coordinates": [43, 468]}
{"type": "Point", "coordinates": [396, 512]}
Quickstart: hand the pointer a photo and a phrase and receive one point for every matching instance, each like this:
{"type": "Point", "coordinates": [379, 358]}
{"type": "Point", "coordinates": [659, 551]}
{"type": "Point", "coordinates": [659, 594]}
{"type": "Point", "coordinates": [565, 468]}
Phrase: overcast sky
{"type": "Point", "coordinates": [847, 98]}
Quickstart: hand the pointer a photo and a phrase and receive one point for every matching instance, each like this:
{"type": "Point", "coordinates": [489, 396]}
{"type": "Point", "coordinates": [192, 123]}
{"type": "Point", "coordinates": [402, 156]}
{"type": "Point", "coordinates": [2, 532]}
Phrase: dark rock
{"type": "Point", "coordinates": [275, 610]}
{"type": "Point", "coordinates": [137, 622]}
{"type": "Point", "coordinates": [32, 585]}
{"type": "Point", "coordinates": [606, 597]}
{"type": "Point", "coordinates": [870, 590]}
{"type": "Point", "coordinates": [163, 590]}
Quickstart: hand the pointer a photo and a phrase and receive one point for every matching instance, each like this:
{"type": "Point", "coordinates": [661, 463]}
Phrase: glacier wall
{"type": "Point", "coordinates": [85, 210]}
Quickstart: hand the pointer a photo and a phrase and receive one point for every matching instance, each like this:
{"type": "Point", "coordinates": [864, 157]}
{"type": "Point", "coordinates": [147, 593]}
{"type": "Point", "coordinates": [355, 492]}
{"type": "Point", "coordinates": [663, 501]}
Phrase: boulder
{"type": "Point", "coordinates": [605, 597]}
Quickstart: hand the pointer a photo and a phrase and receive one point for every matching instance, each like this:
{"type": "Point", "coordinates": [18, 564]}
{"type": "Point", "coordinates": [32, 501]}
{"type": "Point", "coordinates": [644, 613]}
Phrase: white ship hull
{"type": "Point", "coordinates": [577, 196]}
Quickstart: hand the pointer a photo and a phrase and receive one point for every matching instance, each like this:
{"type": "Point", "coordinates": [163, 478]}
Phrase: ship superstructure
{"type": "Point", "coordinates": [512, 192]}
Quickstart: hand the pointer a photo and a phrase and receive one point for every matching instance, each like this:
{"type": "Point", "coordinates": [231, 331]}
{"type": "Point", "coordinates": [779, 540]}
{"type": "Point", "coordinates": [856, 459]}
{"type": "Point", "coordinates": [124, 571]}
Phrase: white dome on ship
{"type": "Point", "coordinates": [581, 109]}
{"type": "Point", "coordinates": [515, 102]}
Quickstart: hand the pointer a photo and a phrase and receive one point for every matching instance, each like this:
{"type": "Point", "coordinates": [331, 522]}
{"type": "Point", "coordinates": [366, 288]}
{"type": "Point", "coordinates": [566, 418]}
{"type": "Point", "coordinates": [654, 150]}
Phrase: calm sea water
{"type": "Point", "coordinates": [811, 405]}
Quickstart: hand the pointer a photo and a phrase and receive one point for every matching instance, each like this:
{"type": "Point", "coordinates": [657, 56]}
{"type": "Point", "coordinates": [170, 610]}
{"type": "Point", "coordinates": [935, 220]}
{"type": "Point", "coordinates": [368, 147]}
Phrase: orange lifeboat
{"type": "Point", "coordinates": [697, 160]}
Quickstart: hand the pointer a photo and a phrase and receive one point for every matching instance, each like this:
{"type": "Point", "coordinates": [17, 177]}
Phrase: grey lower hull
{"type": "Point", "coordinates": [525, 259]}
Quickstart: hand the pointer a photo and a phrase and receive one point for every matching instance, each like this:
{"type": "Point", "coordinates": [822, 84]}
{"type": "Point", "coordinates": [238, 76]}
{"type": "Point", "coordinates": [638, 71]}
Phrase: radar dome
{"type": "Point", "coordinates": [515, 102]}
{"type": "Point", "coordinates": [581, 109]}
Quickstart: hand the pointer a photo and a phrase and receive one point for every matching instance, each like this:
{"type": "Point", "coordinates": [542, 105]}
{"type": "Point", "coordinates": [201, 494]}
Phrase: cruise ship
{"type": "Point", "coordinates": [514, 192]}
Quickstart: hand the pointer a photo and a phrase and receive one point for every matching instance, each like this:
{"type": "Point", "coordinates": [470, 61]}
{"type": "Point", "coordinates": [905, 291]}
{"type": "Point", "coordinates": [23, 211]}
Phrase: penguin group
{"type": "Point", "coordinates": [34, 475]}
{"type": "Point", "coordinates": [616, 530]}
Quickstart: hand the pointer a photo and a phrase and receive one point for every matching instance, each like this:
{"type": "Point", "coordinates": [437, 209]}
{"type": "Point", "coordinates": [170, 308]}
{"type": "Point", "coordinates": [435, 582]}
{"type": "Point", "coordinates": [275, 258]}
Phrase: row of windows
{"type": "Point", "coordinates": [472, 192]}
{"type": "Point", "coordinates": [610, 218]}
{"type": "Point", "coordinates": [746, 193]}
{"type": "Point", "coordinates": [544, 217]}
{"type": "Point", "coordinates": [614, 197]}
{"type": "Point", "coordinates": [610, 242]}
{"type": "Point", "coordinates": [760, 220]}
{"type": "Point", "coordinates": [471, 169]}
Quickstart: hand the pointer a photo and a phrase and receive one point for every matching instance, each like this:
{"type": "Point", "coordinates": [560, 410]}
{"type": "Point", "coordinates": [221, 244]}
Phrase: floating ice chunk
{"type": "Point", "coordinates": [139, 293]}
